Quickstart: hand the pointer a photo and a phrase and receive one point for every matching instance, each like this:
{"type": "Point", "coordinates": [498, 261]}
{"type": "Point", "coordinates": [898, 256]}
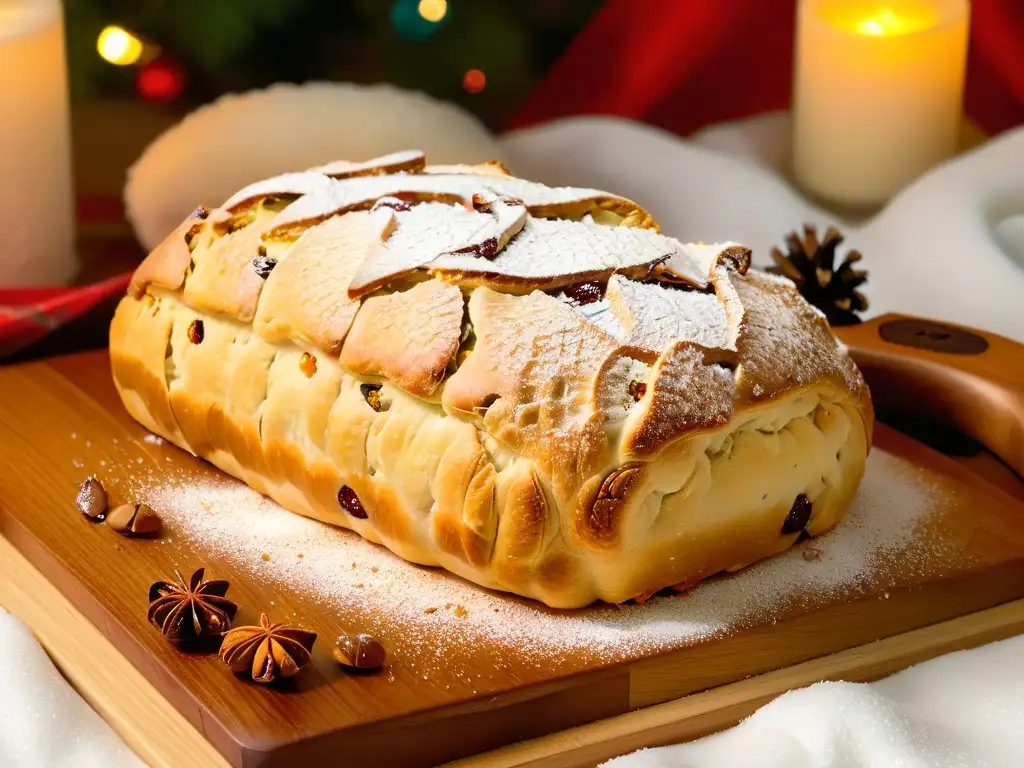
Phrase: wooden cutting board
{"type": "Point", "coordinates": [457, 686]}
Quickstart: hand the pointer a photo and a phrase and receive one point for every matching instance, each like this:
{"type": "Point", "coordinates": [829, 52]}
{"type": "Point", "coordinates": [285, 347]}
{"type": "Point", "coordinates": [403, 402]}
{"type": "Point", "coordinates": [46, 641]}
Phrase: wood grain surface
{"type": "Point", "coordinates": [954, 377]}
{"type": "Point", "coordinates": [401, 718]}
{"type": "Point", "coordinates": [164, 739]}
{"type": "Point", "coordinates": [157, 732]}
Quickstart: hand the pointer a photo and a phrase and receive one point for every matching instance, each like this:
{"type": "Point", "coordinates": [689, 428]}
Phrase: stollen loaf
{"type": "Point", "coordinates": [529, 386]}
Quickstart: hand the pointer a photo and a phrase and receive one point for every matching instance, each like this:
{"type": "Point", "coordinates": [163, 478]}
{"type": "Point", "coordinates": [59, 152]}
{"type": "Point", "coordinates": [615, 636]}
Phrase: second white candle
{"type": "Point", "coordinates": [877, 94]}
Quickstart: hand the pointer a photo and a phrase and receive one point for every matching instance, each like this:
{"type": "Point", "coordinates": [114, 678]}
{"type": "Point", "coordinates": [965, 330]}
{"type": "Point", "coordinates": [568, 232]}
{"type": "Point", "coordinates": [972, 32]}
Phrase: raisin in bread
{"type": "Point", "coordinates": [528, 386]}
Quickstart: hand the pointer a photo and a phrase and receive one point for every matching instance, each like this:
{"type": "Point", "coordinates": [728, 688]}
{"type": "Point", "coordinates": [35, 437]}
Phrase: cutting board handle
{"type": "Point", "coordinates": [946, 375]}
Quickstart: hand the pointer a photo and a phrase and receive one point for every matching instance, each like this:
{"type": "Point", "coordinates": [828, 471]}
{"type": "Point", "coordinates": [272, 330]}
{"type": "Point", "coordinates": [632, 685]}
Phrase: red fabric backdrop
{"type": "Point", "coordinates": [684, 64]}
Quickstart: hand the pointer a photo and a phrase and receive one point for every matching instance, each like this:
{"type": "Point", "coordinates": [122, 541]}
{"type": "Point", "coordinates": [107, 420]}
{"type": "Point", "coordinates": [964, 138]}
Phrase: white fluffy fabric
{"type": "Point", "coordinates": [964, 710]}
{"type": "Point", "coordinates": [242, 138]}
{"type": "Point", "coordinates": [43, 720]}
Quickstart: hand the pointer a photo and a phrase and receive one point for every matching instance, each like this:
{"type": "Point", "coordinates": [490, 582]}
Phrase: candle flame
{"type": "Point", "coordinates": [119, 46]}
{"type": "Point", "coordinates": [884, 21]}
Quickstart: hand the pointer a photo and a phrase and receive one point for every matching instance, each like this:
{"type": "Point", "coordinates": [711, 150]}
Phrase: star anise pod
{"type": "Point", "coordinates": [269, 651]}
{"type": "Point", "coordinates": [811, 265]}
{"type": "Point", "coordinates": [189, 611]}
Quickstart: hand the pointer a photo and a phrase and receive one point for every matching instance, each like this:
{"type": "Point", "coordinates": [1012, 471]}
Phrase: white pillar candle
{"type": "Point", "coordinates": [36, 212]}
{"type": "Point", "coordinates": [878, 92]}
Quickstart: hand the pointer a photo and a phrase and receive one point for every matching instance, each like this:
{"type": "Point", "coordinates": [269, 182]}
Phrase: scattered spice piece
{"type": "Point", "coordinates": [360, 651]}
{"type": "Point", "coordinates": [360, 585]}
{"type": "Point", "coordinates": [186, 612]}
{"type": "Point", "coordinates": [267, 652]}
{"type": "Point", "coordinates": [307, 364]}
{"type": "Point", "coordinates": [430, 610]}
{"type": "Point", "coordinates": [375, 569]}
{"type": "Point", "coordinates": [92, 499]}
{"type": "Point", "coordinates": [266, 557]}
{"type": "Point", "coordinates": [461, 612]}
{"type": "Point", "coordinates": [447, 606]}
{"type": "Point", "coordinates": [300, 555]}
{"type": "Point", "coordinates": [137, 520]}
{"type": "Point", "coordinates": [196, 331]}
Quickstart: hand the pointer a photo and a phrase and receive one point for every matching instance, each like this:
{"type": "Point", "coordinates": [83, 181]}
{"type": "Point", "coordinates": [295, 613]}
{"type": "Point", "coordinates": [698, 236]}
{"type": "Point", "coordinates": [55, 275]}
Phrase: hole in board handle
{"type": "Point", "coordinates": [922, 334]}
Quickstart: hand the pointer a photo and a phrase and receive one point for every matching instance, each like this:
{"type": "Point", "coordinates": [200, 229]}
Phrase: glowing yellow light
{"type": "Point", "coordinates": [881, 20]}
{"type": "Point", "coordinates": [884, 22]}
{"type": "Point", "coordinates": [433, 10]}
{"type": "Point", "coordinates": [119, 46]}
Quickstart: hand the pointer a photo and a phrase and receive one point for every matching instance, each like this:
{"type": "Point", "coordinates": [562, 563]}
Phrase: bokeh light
{"type": "Point", "coordinates": [409, 21]}
{"type": "Point", "coordinates": [474, 81]}
{"type": "Point", "coordinates": [161, 80]}
{"type": "Point", "coordinates": [119, 46]}
{"type": "Point", "coordinates": [433, 10]}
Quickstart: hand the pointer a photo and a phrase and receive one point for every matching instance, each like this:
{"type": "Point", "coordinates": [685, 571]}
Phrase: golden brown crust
{"type": "Point", "coordinates": [399, 162]}
{"type": "Point", "coordinates": [409, 337]}
{"type": "Point", "coordinates": [139, 335]}
{"type": "Point", "coordinates": [306, 294]}
{"type": "Point", "coordinates": [602, 503]}
{"type": "Point", "coordinates": [604, 443]}
{"type": "Point", "coordinates": [528, 380]}
{"type": "Point", "coordinates": [690, 390]}
{"type": "Point", "coordinates": [223, 281]}
{"type": "Point", "coordinates": [169, 262]}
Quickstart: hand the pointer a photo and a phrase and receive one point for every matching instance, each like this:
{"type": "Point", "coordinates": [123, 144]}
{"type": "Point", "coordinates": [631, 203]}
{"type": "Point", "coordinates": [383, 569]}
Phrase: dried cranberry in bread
{"type": "Point", "coordinates": [529, 386]}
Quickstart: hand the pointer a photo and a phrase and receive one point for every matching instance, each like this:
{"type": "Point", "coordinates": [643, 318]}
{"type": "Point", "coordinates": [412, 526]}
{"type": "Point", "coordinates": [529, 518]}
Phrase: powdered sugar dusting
{"type": "Point", "coordinates": [599, 313]}
{"type": "Point", "coordinates": [563, 251]}
{"type": "Point", "coordinates": [421, 234]}
{"type": "Point", "coordinates": [656, 316]}
{"type": "Point", "coordinates": [346, 194]}
{"type": "Point", "coordinates": [685, 394]}
{"type": "Point", "coordinates": [782, 341]}
{"type": "Point", "coordinates": [427, 612]}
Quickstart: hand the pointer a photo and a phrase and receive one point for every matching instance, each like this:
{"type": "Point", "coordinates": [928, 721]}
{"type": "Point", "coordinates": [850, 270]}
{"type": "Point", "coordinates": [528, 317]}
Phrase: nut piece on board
{"type": "Point", "coordinates": [91, 500]}
{"type": "Point", "coordinates": [137, 520]}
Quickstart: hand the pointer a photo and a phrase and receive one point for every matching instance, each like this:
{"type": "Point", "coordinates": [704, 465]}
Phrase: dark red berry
{"type": "Point", "coordinates": [799, 515]}
{"type": "Point", "coordinates": [394, 203]}
{"type": "Point", "coordinates": [582, 294]}
{"type": "Point", "coordinates": [350, 503]}
{"type": "Point", "coordinates": [196, 332]}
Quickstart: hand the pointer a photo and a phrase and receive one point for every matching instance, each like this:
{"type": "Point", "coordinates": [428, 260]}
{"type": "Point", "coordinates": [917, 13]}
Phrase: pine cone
{"type": "Point", "coordinates": [811, 265]}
